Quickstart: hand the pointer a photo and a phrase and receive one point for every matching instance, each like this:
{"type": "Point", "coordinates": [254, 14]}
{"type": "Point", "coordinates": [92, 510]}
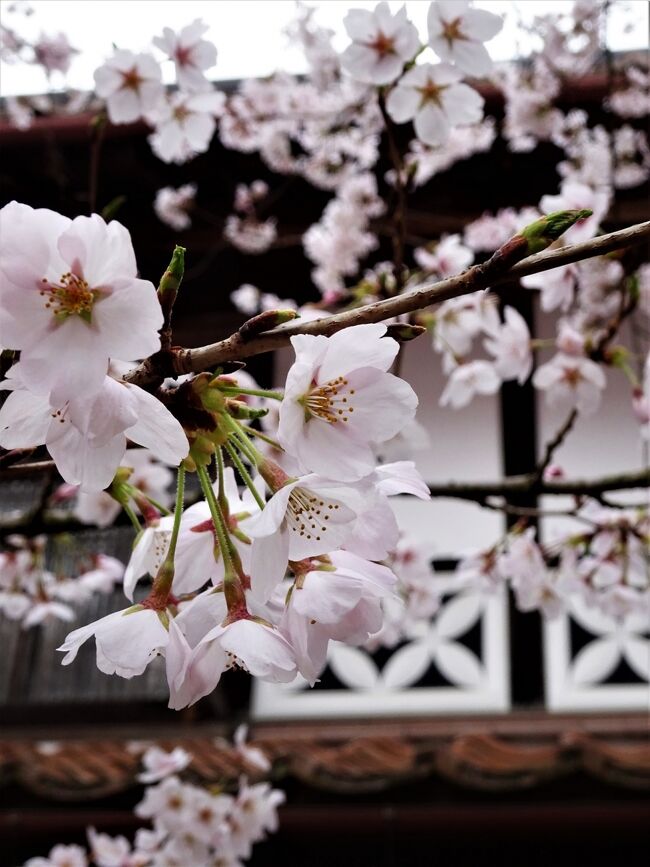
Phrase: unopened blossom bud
{"type": "Point", "coordinates": [168, 290]}
{"type": "Point", "coordinates": [543, 232]}
{"type": "Point", "coordinates": [265, 322]}
{"type": "Point", "coordinates": [553, 472]}
{"type": "Point", "coordinates": [641, 405]}
{"type": "Point", "coordinates": [403, 332]}
{"type": "Point", "coordinates": [172, 278]}
{"type": "Point", "coordinates": [240, 410]}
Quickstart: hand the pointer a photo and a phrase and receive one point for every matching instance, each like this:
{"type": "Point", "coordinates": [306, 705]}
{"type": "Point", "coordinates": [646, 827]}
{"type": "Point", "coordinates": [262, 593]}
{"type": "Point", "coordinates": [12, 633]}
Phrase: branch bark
{"type": "Point", "coordinates": [233, 348]}
{"type": "Point", "coordinates": [478, 491]}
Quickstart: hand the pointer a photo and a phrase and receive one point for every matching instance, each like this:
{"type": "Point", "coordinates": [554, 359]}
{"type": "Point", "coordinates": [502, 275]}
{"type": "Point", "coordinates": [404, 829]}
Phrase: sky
{"type": "Point", "coordinates": [249, 34]}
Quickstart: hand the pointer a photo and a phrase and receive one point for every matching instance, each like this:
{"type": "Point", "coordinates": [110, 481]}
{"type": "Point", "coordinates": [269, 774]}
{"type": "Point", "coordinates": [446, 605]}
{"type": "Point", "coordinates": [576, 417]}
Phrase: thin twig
{"type": "Point", "coordinates": [233, 348]}
{"type": "Point", "coordinates": [555, 443]}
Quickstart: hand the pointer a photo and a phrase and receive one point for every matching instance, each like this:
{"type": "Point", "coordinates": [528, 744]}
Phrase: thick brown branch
{"type": "Point", "coordinates": [530, 483]}
{"type": "Point", "coordinates": [477, 491]}
{"type": "Point", "coordinates": [233, 348]}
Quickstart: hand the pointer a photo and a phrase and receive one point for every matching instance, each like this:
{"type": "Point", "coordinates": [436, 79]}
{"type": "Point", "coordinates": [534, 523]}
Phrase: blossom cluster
{"type": "Point", "coordinates": [602, 560]}
{"type": "Point", "coordinates": [190, 824]}
{"type": "Point", "coordinates": [220, 596]}
{"type": "Point", "coordinates": [31, 593]}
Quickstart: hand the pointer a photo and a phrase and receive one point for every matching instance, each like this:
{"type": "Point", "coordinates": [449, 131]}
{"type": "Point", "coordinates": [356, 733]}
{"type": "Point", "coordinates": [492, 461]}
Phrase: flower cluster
{"type": "Point", "coordinates": [32, 593]}
{"type": "Point", "coordinates": [244, 229]}
{"type": "Point", "coordinates": [190, 824]}
{"type": "Point", "coordinates": [603, 560]}
{"type": "Point", "coordinates": [220, 596]}
{"type": "Point", "coordinates": [68, 287]}
{"type": "Point", "coordinates": [419, 596]}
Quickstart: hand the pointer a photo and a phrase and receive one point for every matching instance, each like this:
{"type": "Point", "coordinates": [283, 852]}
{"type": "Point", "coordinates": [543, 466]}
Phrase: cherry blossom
{"type": "Point", "coordinates": [109, 851]}
{"type": "Point", "coordinates": [86, 437]}
{"type": "Point", "coordinates": [306, 517]}
{"type": "Point", "coordinates": [558, 286]}
{"type": "Point", "coordinates": [433, 97]}
{"type": "Point", "coordinates": [570, 381]}
{"type": "Point", "coordinates": [54, 53]}
{"type": "Point", "coordinates": [131, 85]}
{"type": "Point", "coordinates": [249, 234]}
{"type": "Point", "coordinates": [127, 641]}
{"type": "Point", "coordinates": [172, 206]}
{"type": "Point", "coordinates": [68, 288]}
{"type": "Point", "coordinates": [457, 33]}
{"type": "Point", "coordinates": [475, 377]}
{"type": "Point", "coordinates": [148, 553]}
{"type": "Point", "coordinates": [160, 764]}
{"type": "Point", "coordinates": [252, 756]}
{"type": "Point", "coordinates": [254, 646]}
{"type": "Point", "coordinates": [381, 44]}
{"type": "Point", "coordinates": [448, 258]}
{"type": "Point", "coordinates": [511, 348]}
{"type": "Point", "coordinates": [191, 54]}
{"type": "Point", "coordinates": [184, 124]}
{"type": "Point", "coordinates": [61, 856]}
{"type": "Point", "coordinates": [339, 400]}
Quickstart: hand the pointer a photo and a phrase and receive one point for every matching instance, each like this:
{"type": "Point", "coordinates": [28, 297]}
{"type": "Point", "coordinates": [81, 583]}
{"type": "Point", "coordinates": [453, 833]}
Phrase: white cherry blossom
{"type": "Point", "coordinates": [184, 124]}
{"type": "Point", "coordinates": [381, 44]}
{"type": "Point", "coordinates": [433, 97]}
{"type": "Point", "coordinates": [86, 437]}
{"type": "Point", "coordinates": [570, 381]}
{"type": "Point", "coordinates": [159, 763]}
{"type": "Point", "coordinates": [307, 516]}
{"type": "Point", "coordinates": [126, 641]}
{"type": "Point", "coordinates": [172, 206]}
{"type": "Point", "coordinates": [69, 289]}
{"type": "Point", "coordinates": [191, 54]}
{"type": "Point", "coordinates": [131, 85]}
{"type": "Point", "coordinates": [457, 32]}
{"type": "Point", "coordinates": [448, 258]}
{"type": "Point", "coordinates": [339, 400]}
{"type": "Point", "coordinates": [511, 348]}
{"type": "Point", "coordinates": [475, 377]}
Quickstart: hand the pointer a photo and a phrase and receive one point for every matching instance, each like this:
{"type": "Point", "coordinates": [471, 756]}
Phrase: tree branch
{"type": "Point", "coordinates": [478, 491]}
{"type": "Point", "coordinates": [478, 277]}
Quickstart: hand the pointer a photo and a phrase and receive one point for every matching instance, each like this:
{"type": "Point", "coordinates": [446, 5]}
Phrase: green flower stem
{"type": "Point", "coordinates": [253, 455]}
{"type": "Point", "coordinates": [132, 517]}
{"type": "Point", "coordinates": [265, 438]}
{"type": "Point", "coordinates": [245, 476]}
{"type": "Point", "coordinates": [219, 523]}
{"type": "Point", "coordinates": [254, 392]}
{"type": "Point", "coordinates": [163, 581]}
{"type": "Point", "coordinates": [218, 455]}
{"type": "Point", "coordinates": [178, 511]}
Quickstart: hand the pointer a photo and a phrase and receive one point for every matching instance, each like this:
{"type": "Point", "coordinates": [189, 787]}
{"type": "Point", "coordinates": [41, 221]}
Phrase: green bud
{"type": "Point", "coordinates": [172, 278]}
{"type": "Point", "coordinates": [543, 232]}
{"type": "Point", "coordinates": [239, 409]}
